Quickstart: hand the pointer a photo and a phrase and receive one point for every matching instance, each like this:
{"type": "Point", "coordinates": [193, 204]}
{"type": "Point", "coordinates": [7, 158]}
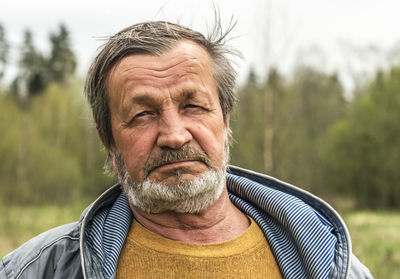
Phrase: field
{"type": "Point", "coordinates": [375, 235]}
{"type": "Point", "coordinates": [376, 241]}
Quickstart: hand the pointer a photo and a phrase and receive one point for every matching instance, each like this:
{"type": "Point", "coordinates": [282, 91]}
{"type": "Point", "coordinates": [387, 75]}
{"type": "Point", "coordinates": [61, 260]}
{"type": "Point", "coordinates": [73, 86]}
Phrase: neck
{"type": "Point", "coordinates": [219, 222]}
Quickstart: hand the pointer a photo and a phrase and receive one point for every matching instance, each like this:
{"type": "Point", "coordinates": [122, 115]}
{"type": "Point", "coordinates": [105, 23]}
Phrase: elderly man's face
{"type": "Point", "coordinates": [167, 103]}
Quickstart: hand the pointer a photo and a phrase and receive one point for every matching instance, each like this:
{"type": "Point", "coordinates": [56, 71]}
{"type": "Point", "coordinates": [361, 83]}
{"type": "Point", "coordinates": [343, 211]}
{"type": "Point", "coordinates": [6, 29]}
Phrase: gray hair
{"type": "Point", "coordinates": [155, 38]}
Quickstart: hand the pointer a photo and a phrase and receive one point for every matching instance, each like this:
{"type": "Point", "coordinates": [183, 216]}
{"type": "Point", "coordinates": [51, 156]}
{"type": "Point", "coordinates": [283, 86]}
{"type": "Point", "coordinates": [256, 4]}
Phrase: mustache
{"type": "Point", "coordinates": [167, 156]}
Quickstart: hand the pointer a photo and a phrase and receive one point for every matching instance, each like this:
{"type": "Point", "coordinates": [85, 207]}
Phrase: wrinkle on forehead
{"type": "Point", "coordinates": [186, 56]}
{"type": "Point", "coordinates": [161, 77]}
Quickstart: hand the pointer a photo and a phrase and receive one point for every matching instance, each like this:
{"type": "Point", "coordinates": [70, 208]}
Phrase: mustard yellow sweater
{"type": "Point", "coordinates": [149, 255]}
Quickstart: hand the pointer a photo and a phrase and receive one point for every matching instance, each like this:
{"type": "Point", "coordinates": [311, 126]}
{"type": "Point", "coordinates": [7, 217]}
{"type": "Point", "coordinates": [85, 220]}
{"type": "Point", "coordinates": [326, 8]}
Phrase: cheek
{"type": "Point", "coordinates": [211, 139]}
{"type": "Point", "coordinates": [135, 147]}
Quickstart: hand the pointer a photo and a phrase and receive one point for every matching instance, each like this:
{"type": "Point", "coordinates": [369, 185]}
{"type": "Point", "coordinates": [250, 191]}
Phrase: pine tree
{"type": "Point", "coordinates": [4, 49]}
{"type": "Point", "coordinates": [33, 76]}
{"type": "Point", "coordinates": [62, 61]}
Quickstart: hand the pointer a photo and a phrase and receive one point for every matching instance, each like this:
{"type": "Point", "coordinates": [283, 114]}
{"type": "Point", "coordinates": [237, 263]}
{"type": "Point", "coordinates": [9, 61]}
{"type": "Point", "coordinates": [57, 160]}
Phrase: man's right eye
{"type": "Point", "coordinates": [143, 113]}
{"type": "Point", "coordinates": [138, 118]}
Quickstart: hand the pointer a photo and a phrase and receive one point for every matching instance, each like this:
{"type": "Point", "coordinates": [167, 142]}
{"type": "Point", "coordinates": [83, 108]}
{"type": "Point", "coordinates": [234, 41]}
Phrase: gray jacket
{"type": "Point", "coordinates": [64, 252]}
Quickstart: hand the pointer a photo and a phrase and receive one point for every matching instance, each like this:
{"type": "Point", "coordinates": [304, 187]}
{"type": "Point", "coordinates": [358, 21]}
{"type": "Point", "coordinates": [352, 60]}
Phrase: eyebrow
{"type": "Point", "coordinates": [142, 99]}
{"type": "Point", "coordinates": [187, 94]}
{"type": "Point", "coordinates": [145, 99]}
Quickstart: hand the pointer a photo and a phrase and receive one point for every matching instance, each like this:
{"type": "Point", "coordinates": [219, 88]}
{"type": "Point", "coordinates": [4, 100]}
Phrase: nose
{"type": "Point", "coordinates": [173, 132]}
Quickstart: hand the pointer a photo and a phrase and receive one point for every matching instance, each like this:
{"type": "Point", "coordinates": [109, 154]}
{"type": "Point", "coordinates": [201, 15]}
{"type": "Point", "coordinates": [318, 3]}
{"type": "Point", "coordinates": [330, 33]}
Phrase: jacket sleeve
{"type": "Point", "coordinates": [3, 274]}
{"type": "Point", "coordinates": [358, 270]}
{"type": "Point", "coordinates": [52, 254]}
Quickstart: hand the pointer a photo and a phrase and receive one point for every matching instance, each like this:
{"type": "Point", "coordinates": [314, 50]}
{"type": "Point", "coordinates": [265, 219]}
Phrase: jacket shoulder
{"type": "Point", "coordinates": [358, 270]}
{"type": "Point", "coordinates": [45, 255]}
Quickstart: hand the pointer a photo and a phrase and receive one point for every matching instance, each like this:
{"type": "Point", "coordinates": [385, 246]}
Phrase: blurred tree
{"type": "Point", "coordinates": [62, 61]}
{"type": "Point", "coordinates": [363, 154]}
{"type": "Point", "coordinates": [4, 48]}
{"type": "Point", "coordinates": [274, 92]}
{"type": "Point", "coordinates": [33, 75]}
{"type": "Point", "coordinates": [50, 150]}
{"type": "Point", "coordinates": [280, 127]}
{"type": "Point", "coordinates": [312, 103]}
{"type": "Point", "coordinates": [247, 124]}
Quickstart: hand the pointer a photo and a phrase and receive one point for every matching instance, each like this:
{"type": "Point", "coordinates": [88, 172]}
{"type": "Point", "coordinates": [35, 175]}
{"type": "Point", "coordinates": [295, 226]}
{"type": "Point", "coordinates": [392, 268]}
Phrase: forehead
{"type": "Point", "coordinates": [184, 60]}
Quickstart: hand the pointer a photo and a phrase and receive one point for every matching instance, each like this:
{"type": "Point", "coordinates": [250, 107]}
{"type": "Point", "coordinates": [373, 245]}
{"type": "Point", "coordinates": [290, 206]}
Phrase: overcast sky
{"type": "Point", "coordinates": [329, 34]}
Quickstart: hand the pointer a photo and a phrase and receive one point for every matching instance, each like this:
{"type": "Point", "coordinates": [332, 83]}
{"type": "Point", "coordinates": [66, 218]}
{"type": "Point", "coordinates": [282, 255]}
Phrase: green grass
{"type": "Point", "coordinates": [375, 235]}
{"type": "Point", "coordinates": [376, 241]}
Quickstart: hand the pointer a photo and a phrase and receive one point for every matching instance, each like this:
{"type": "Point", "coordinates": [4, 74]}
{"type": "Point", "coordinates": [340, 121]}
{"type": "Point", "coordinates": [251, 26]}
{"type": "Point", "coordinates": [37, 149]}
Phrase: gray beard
{"type": "Point", "coordinates": [186, 196]}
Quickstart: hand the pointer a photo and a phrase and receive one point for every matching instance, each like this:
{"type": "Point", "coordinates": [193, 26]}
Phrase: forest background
{"type": "Point", "coordinates": [303, 128]}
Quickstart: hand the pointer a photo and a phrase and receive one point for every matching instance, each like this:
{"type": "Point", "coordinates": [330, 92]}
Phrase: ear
{"type": "Point", "coordinates": [110, 165]}
{"type": "Point", "coordinates": [110, 155]}
{"type": "Point", "coordinates": [227, 120]}
{"type": "Point", "coordinates": [105, 144]}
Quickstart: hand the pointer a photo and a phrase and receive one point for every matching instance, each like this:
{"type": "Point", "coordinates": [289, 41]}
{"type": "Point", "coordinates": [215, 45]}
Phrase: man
{"type": "Point", "coordinates": [161, 96]}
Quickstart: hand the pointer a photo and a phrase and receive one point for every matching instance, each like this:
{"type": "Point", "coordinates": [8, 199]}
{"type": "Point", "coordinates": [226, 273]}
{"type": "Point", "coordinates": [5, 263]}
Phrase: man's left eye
{"type": "Point", "coordinates": [193, 108]}
{"type": "Point", "coordinates": [190, 106]}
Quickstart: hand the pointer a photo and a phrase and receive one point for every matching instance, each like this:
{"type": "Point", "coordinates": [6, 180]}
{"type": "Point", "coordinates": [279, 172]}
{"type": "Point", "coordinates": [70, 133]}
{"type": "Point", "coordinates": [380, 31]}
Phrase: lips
{"type": "Point", "coordinates": [174, 158]}
{"type": "Point", "coordinates": [174, 164]}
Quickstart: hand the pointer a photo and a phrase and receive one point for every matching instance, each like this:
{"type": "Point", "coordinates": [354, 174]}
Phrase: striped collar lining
{"type": "Point", "coordinates": [299, 236]}
{"type": "Point", "coordinates": [107, 232]}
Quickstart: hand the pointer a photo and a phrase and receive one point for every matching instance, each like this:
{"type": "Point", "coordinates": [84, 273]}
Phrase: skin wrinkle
{"type": "Point", "coordinates": [157, 68]}
{"type": "Point", "coordinates": [169, 66]}
{"type": "Point", "coordinates": [159, 73]}
{"type": "Point", "coordinates": [171, 79]}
